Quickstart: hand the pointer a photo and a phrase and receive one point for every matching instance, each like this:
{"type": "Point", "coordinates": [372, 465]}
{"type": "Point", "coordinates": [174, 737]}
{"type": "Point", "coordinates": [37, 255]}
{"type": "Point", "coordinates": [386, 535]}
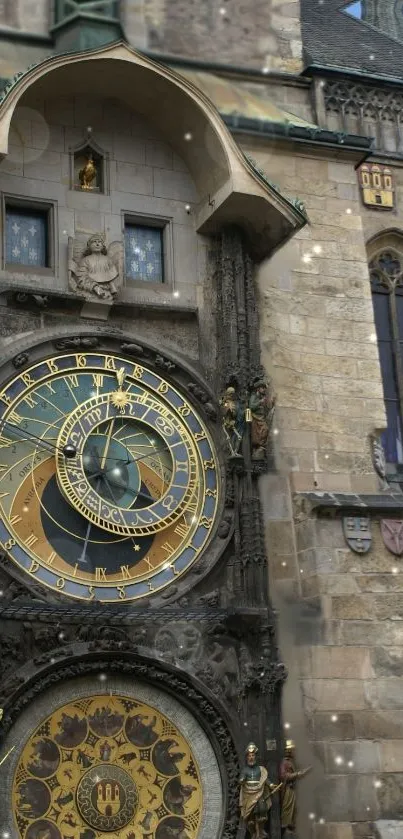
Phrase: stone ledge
{"type": "Point", "coordinates": [45, 297]}
{"type": "Point", "coordinates": [344, 502]}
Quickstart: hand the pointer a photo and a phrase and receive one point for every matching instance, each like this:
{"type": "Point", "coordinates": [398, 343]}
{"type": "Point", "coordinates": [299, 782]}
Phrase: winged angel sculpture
{"type": "Point", "coordinates": [95, 270]}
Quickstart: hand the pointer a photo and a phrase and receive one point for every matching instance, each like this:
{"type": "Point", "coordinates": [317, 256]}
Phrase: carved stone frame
{"type": "Point", "coordinates": [181, 686]}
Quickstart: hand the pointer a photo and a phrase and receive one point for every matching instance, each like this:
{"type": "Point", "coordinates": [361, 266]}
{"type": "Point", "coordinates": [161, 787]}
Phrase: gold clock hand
{"type": "Point", "coordinates": [107, 444]}
{"type": "Point", "coordinates": [41, 442]}
{"type": "Point", "coordinates": [3, 760]}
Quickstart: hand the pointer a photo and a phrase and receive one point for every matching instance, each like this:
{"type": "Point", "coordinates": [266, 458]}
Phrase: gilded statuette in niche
{"type": "Point", "coordinates": [87, 175]}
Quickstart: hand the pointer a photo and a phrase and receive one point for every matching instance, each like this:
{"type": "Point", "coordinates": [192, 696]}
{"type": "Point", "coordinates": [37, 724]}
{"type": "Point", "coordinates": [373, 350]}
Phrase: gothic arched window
{"type": "Point", "coordinates": [386, 272]}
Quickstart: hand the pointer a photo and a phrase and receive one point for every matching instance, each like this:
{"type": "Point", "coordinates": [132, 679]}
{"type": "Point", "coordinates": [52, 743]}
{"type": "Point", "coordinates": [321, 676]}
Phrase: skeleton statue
{"type": "Point", "coordinates": [95, 270]}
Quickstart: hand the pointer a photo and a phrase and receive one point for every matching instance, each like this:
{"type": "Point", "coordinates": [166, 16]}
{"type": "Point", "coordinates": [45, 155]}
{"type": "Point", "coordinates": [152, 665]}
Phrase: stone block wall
{"type": "Point", "coordinates": [254, 34]}
{"type": "Point", "coordinates": [317, 330]}
{"type": "Point", "coordinates": [341, 636]}
{"type": "Point", "coordinates": [250, 34]}
{"type": "Point", "coordinates": [339, 613]}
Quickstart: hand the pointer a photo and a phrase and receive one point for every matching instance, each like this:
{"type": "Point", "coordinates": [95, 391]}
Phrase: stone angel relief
{"type": "Point", "coordinates": [95, 269]}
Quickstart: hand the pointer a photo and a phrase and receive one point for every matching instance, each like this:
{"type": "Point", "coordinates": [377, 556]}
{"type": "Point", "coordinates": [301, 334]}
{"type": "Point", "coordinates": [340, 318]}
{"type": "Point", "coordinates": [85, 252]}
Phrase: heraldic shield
{"type": "Point", "coordinates": [357, 532]}
{"type": "Point", "coordinates": [392, 535]}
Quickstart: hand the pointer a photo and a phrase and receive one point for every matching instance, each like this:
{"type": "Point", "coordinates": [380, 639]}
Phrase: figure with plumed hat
{"type": "Point", "coordinates": [288, 776]}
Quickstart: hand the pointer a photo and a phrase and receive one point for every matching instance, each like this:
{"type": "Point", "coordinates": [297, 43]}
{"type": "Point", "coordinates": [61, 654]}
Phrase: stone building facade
{"type": "Point", "coordinates": [209, 137]}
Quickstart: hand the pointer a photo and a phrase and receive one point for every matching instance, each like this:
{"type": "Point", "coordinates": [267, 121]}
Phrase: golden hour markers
{"type": "Point", "coordinates": [31, 541]}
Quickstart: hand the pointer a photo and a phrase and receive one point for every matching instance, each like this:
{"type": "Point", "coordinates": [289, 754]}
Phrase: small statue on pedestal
{"type": "Point", "coordinates": [260, 415]}
{"type": "Point", "coordinates": [95, 270]}
{"type": "Point", "coordinates": [255, 795]}
{"type": "Point", "coordinates": [288, 776]}
{"type": "Point", "coordinates": [232, 420]}
{"type": "Point", "coordinates": [88, 173]}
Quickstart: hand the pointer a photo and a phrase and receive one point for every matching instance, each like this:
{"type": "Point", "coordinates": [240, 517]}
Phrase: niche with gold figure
{"type": "Point", "coordinates": [376, 184]}
{"type": "Point", "coordinates": [89, 166]}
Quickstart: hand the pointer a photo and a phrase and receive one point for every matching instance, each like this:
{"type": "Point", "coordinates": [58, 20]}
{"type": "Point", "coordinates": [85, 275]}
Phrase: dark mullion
{"type": "Point", "coordinates": [396, 350]}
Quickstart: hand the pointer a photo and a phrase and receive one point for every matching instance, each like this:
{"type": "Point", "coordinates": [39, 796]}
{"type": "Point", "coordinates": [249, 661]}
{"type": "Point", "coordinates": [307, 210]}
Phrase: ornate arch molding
{"type": "Point", "coordinates": [187, 690]}
{"type": "Point", "coordinates": [391, 239]}
{"type": "Point", "coordinates": [231, 188]}
{"type": "Point", "coordinates": [18, 354]}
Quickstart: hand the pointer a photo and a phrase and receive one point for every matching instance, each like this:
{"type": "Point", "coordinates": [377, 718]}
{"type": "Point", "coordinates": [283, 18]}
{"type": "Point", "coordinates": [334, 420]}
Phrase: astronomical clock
{"type": "Point", "coordinates": [109, 481]}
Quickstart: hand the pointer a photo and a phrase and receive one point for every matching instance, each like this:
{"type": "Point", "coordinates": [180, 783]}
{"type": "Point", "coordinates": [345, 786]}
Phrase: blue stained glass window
{"type": "Point", "coordinates": [355, 10]}
{"type": "Point", "coordinates": [26, 237]}
{"type": "Point", "coordinates": [144, 255]}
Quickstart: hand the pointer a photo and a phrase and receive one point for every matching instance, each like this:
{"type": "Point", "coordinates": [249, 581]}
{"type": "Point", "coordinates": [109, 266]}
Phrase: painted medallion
{"type": "Point", "coordinates": [107, 765]}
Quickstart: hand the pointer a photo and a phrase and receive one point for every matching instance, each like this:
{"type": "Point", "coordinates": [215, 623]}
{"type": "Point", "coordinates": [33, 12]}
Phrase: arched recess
{"type": "Point", "coordinates": [385, 258]}
{"type": "Point", "coordinates": [48, 684]}
{"type": "Point", "coordinates": [230, 188]}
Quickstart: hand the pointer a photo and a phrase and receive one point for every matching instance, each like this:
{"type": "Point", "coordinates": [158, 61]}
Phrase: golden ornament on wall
{"type": "Point", "coordinates": [107, 765]}
{"type": "Point", "coordinates": [376, 184]}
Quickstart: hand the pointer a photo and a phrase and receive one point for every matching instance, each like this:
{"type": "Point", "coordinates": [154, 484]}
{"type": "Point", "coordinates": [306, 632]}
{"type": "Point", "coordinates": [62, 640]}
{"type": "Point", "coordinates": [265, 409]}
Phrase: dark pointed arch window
{"type": "Point", "coordinates": [386, 272]}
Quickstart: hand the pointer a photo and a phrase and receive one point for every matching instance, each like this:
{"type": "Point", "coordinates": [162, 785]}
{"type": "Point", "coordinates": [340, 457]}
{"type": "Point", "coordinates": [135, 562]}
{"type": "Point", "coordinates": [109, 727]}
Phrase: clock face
{"type": "Point", "coordinates": [108, 478]}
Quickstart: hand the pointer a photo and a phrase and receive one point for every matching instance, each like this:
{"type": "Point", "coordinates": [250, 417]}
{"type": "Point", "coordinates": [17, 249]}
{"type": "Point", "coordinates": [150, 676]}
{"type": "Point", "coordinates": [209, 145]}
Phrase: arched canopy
{"type": "Point", "coordinates": [231, 190]}
{"type": "Point", "coordinates": [390, 239]}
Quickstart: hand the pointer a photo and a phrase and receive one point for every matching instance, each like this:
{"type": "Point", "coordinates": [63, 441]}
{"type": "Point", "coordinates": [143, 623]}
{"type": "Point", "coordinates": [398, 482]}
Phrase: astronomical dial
{"type": "Point", "coordinates": [108, 478]}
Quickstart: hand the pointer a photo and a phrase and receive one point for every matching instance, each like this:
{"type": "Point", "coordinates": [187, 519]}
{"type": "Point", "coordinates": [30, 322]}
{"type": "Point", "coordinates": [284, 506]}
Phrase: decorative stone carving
{"type": "Point", "coordinates": [366, 110]}
{"type": "Point", "coordinates": [83, 342]}
{"type": "Point", "coordinates": [260, 416]}
{"type": "Point", "coordinates": [376, 186]}
{"type": "Point", "coordinates": [357, 531]}
{"type": "Point", "coordinates": [132, 349]}
{"type": "Point", "coordinates": [95, 270]}
{"type": "Point", "coordinates": [164, 364]}
{"type": "Point", "coordinates": [379, 460]}
{"type": "Point", "coordinates": [392, 535]}
{"type": "Point", "coordinates": [20, 360]}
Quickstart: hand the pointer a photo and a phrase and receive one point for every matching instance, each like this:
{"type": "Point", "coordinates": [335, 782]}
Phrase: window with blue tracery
{"type": "Point", "coordinates": [144, 253]}
{"type": "Point", "coordinates": [26, 237]}
{"type": "Point", "coordinates": [386, 272]}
